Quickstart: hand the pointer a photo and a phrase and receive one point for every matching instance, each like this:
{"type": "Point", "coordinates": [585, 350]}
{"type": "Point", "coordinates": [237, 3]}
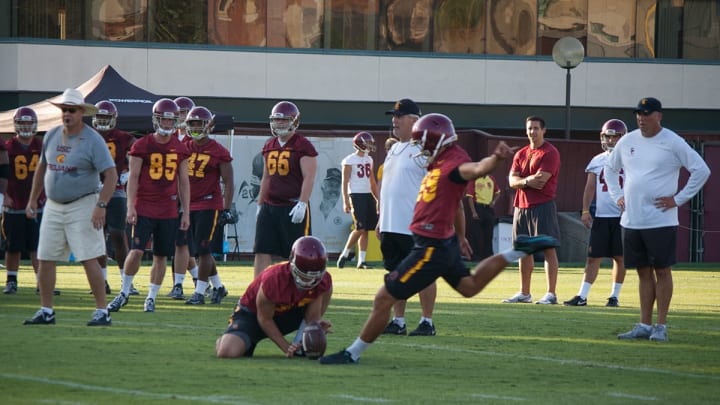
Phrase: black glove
{"type": "Point", "coordinates": [226, 217]}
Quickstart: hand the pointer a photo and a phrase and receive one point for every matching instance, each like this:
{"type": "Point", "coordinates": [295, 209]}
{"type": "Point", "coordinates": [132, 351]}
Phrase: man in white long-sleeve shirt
{"type": "Point", "coordinates": [651, 157]}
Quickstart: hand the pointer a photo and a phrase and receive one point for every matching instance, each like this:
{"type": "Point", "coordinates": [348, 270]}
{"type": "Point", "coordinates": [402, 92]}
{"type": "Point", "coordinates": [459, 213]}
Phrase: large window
{"type": "Point", "coordinates": [687, 29]}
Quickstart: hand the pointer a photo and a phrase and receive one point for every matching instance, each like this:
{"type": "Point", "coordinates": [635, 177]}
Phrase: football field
{"type": "Point", "coordinates": [484, 352]}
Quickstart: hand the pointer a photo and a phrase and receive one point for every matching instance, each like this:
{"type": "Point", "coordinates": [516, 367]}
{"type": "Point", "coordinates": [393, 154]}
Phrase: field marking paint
{"type": "Point", "coordinates": [500, 397]}
{"type": "Point", "coordinates": [631, 396]}
{"type": "Point", "coordinates": [559, 360]}
{"type": "Point", "coordinates": [363, 399]}
{"type": "Point", "coordinates": [210, 398]}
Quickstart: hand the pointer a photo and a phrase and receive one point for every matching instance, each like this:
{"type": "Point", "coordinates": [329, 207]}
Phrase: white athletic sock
{"type": "Point", "coordinates": [585, 289]}
{"type": "Point", "coordinates": [215, 281]}
{"type": "Point", "coordinates": [154, 289]}
{"type": "Point", "coordinates": [357, 348]}
{"type": "Point", "coordinates": [47, 310]}
{"type": "Point", "coordinates": [513, 255]}
{"type": "Point", "coordinates": [345, 253]}
{"type": "Point", "coordinates": [12, 273]}
{"type": "Point", "coordinates": [428, 320]}
{"type": "Point", "coordinates": [616, 290]}
{"type": "Point", "coordinates": [399, 320]}
{"type": "Point", "coordinates": [126, 284]}
{"type": "Point", "coordinates": [104, 272]}
{"type": "Point", "coordinates": [201, 287]}
{"type": "Point", "coordinates": [194, 272]}
{"type": "Point", "coordinates": [361, 256]}
{"type": "Point", "coordinates": [179, 278]}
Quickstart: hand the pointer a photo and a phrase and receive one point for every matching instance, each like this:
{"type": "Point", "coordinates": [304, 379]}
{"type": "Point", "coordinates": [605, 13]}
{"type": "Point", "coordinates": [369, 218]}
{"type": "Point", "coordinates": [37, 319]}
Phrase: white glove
{"type": "Point", "coordinates": [2, 201]}
{"type": "Point", "coordinates": [124, 178]}
{"type": "Point", "coordinates": [297, 214]}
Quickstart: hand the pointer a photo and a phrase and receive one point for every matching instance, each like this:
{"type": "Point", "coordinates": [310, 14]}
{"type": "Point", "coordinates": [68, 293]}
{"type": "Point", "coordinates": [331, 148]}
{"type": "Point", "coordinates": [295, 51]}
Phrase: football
{"type": "Point", "coordinates": [314, 341]}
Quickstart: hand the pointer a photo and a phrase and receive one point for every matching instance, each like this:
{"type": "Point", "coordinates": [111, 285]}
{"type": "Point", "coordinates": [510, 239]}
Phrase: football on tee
{"type": "Point", "coordinates": [313, 341]}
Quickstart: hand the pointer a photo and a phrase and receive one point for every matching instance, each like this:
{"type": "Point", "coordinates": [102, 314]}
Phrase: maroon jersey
{"type": "Point", "coordinates": [282, 166]}
{"type": "Point", "coordinates": [279, 287]}
{"type": "Point", "coordinates": [118, 143]}
{"type": "Point", "coordinates": [439, 197]}
{"type": "Point", "coordinates": [204, 170]}
{"type": "Point", "coordinates": [157, 186]}
{"type": "Point", "coordinates": [527, 162]}
{"type": "Point", "coordinates": [23, 163]}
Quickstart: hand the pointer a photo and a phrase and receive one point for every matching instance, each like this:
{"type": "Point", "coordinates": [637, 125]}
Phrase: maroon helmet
{"type": "Point", "coordinates": [106, 116]}
{"type": "Point", "coordinates": [611, 132]}
{"type": "Point", "coordinates": [25, 121]}
{"type": "Point", "coordinates": [165, 109]}
{"type": "Point", "coordinates": [364, 142]}
{"type": "Point", "coordinates": [432, 132]}
{"type": "Point", "coordinates": [308, 261]}
{"type": "Point", "coordinates": [199, 122]}
{"type": "Point", "coordinates": [185, 104]}
{"type": "Point", "coordinates": [284, 118]}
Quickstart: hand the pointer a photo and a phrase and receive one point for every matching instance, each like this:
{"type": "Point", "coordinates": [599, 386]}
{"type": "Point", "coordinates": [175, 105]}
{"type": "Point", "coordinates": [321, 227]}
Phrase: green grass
{"type": "Point", "coordinates": [485, 352]}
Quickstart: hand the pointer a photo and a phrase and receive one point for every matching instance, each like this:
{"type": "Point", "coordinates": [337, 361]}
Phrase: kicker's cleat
{"type": "Point", "coordinates": [344, 259]}
{"type": "Point", "coordinates": [41, 318]}
{"type": "Point", "coordinates": [341, 357]}
{"type": "Point", "coordinates": [638, 332]}
{"type": "Point", "coordinates": [149, 305]}
{"type": "Point", "coordinates": [425, 328]}
{"type": "Point", "coordinates": [196, 299]}
{"type": "Point", "coordinates": [613, 302]}
{"type": "Point", "coordinates": [532, 244]}
{"type": "Point", "coordinates": [394, 328]}
{"type": "Point", "coordinates": [118, 302]}
{"type": "Point", "coordinates": [218, 295]}
{"type": "Point", "coordinates": [576, 301]}
{"type": "Point", "coordinates": [177, 292]}
{"type": "Point", "coordinates": [10, 287]}
{"type": "Point", "coordinates": [519, 298]}
{"type": "Point", "coordinates": [547, 299]}
{"type": "Point", "coordinates": [100, 318]}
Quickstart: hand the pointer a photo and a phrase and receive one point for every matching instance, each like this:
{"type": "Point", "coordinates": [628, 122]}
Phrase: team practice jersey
{"type": "Point", "coordinates": [279, 287]}
{"type": "Point", "coordinates": [605, 207]}
{"type": "Point", "coordinates": [118, 143]}
{"type": "Point", "coordinates": [362, 169]}
{"type": "Point", "coordinates": [157, 184]}
{"type": "Point", "coordinates": [527, 162]}
{"type": "Point", "coordinates": [24, 160]}
{"type": "Point", "coordinates": [439, 197]}
{"type": "Point", "coordinates": [204, 170]}
{"type": "Point", "coordinates": [282, 168]}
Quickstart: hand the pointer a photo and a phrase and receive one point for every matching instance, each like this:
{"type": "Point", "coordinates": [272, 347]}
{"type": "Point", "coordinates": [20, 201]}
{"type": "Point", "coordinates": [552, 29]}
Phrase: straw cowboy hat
{"type": "Point", "coordinates": [73, 97]}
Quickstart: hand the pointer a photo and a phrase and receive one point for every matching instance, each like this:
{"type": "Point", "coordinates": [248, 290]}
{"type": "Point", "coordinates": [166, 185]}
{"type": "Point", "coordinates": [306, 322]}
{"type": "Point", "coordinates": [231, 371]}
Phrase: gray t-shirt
{"type": "Point", "coordinates": [73, 169]}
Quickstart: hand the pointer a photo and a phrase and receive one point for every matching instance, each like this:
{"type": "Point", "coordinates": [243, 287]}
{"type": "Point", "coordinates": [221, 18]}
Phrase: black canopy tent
{"type": "Point", "coordinates": [134, 105]}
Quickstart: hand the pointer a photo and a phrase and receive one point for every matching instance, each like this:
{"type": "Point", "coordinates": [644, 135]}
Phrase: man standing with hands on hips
{"type": "Point", "coordinates": [72, 159]}
{"type": "Point", "coordinates": [650, 158]}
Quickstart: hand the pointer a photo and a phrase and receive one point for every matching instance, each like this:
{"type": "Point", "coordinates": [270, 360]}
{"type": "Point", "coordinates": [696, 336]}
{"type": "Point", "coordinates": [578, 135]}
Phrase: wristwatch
{"type": "Point", "coordinates": [101, 204]}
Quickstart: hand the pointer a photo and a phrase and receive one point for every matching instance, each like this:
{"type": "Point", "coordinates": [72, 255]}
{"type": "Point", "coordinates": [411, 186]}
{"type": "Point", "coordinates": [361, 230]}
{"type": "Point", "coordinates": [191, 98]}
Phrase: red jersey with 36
{"type": "Point", "coordinates": [204, 170]}
{"type": "Point", "coordinates": [282, 166]}
{"type": "Point", "coordinates": [279, 286]}
{"type": "Point", "coordinates": [157, 185]}
{"type": "Point", "coordinates": [23, 163]}
{"type": "Point", "coordinates": [439, 196]}
{"type": "Point", "coordinates": [118, 143]}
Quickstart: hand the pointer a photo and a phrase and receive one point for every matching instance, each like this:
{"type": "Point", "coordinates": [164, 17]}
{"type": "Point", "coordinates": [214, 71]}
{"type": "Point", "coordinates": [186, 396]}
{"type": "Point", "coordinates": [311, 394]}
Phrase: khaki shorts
{"type": "Point", "coordinates": [68, 228]}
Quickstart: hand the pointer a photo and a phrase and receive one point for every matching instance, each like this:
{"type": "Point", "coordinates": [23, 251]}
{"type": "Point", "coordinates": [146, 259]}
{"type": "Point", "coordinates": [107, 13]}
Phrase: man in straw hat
{"type": "Point", "coordinates": [73, 157]}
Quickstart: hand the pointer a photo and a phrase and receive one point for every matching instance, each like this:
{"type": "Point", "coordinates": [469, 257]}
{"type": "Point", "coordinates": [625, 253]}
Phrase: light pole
{"type": "Point", "coordinates": [568, 53]}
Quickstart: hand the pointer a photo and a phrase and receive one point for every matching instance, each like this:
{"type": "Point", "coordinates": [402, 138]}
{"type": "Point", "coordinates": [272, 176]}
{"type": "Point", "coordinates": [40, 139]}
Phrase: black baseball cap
{"type": "Point", "coordinates": [404, 107]}
{"type": "Point", "coordinates": [648, 105]}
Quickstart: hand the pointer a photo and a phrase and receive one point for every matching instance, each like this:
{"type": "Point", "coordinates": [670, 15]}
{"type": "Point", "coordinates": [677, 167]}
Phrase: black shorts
{"type": "Point", "coordinates": [275, 233]}
{"type": "Point", "coordinates": [116, 214]}
{"type": "Point", "coordinates": [395, 247]}
{"type": "Point", "coordinates": [21, 234]}
{"type": "Point", "coordinates": [203, 231]}
{"type": "Point", "coordinates": [605, 238]}
{"type": "Point", "coordinates": [428, 260]}
{"type": "Point", "coordinates": [539, 220]}
{"type": "Point", "coordinates": [653, 247]}
{"type": "Point", "coordinates": [244, 324]}
{"type": "Point", "coordinates": [163, 232]}
{"type": "Point", "coordinates": [364, 211]}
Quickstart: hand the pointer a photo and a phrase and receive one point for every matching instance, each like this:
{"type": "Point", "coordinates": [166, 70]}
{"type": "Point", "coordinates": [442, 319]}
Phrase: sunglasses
{"type": "Point", "coordinates": [71, 110]}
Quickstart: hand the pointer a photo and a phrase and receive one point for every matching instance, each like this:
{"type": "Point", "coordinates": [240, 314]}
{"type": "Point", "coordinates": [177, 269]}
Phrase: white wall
{"type": "Point", "coordinates": [43, 67]}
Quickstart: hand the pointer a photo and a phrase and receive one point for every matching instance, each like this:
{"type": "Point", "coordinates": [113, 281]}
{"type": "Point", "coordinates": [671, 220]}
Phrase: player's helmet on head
{"type": "Point", "coordinates": [611, 132]}
{"type": "Point", "coordinates": [199, 122]}
{"type": "Point", "coordinates": [308, 261]}
{"type": "Point", "coordinates": [106, 116]}
{"type": "Point", "coordinates": [364, 142]}
{"type": "Point", "coordinates": [432, 132]}
{"type": "Point", "coordinates": [25, 121]}
{"type": "Point", "coordinates": [185, 104]}
{"type": "Point", "coordinates": [284, 118]}
{"type": "Point", "coordinates": [162, 110]}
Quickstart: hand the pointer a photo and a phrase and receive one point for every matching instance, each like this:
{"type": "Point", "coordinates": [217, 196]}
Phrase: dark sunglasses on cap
{"type": "Point", "coordinates": [71, 110]}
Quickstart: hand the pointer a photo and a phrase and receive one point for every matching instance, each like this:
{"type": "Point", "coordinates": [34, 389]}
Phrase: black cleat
{"type": "Point", "coordinates": [41, 318]}
{"type": "Point", "coordinates": [341, 357]}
